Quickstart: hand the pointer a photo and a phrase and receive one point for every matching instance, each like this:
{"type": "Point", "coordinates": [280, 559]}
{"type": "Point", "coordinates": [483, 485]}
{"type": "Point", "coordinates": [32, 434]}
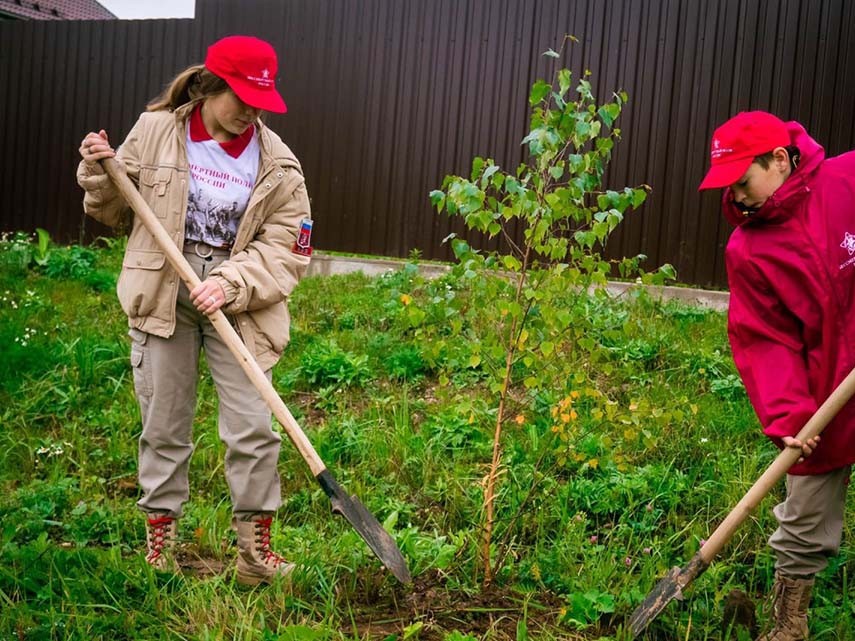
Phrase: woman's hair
{"type": "Point", "coordinates": [194, 83]}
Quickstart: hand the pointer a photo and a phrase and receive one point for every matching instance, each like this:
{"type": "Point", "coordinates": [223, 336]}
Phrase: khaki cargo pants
{"type": "Point", "coordinates": [810, 522]}
{"type": "Point", "coordinates": [166, 372]}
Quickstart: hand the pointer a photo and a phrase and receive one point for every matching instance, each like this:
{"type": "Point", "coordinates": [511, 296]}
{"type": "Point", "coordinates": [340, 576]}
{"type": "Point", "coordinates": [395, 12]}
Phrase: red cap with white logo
{"type": "Point", "coordinates": [248, 65]}
{"type": "Point", "coordinates": [738, 142]}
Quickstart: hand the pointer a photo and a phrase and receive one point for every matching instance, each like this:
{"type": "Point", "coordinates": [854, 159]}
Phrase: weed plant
{"type": "Point", "coordinates": [610, 478]}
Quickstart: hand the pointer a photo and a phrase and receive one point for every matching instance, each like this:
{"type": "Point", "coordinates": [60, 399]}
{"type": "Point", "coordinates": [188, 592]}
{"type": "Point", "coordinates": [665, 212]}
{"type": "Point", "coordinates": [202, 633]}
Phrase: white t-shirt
{"type": "Point", "coordinates": [222, 176]}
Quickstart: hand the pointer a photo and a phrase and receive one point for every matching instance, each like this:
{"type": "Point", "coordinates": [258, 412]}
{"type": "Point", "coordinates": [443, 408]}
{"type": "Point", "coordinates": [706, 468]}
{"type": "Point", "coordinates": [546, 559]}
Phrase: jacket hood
{"type": "Point", "coordinates": [811, 155]}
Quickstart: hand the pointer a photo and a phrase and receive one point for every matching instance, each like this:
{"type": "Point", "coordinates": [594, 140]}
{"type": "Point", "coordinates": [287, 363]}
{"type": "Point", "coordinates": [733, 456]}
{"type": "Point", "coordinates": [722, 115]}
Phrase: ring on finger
{"type": "Point", "coordinates": [212, 300]}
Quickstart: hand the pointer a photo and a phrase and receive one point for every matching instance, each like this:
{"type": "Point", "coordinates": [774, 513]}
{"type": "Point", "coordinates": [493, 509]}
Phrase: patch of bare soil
{"type": "Point", "coordinates": [194, 564]}
{"type": "Point", "coordinates": [438, 610]}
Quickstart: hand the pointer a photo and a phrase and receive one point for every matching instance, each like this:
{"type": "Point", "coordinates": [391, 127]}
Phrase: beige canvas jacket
{"type": "Point", "coordinates": [261, 271]}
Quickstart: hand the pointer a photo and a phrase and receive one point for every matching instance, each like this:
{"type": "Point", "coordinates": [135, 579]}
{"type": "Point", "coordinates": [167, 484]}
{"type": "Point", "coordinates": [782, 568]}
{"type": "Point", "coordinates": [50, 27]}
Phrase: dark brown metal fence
{"type": "Point", "coordinates": [385, 97]}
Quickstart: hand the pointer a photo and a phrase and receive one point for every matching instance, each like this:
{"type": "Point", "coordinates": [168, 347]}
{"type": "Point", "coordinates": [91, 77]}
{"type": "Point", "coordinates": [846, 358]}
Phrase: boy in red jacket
{"type": "Point", "coordinates": [791, 269]}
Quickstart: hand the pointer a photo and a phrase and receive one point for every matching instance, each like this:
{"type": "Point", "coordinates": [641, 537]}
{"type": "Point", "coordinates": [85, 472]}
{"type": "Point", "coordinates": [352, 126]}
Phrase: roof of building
{"type": "Point", "coordinates": [55, 10]}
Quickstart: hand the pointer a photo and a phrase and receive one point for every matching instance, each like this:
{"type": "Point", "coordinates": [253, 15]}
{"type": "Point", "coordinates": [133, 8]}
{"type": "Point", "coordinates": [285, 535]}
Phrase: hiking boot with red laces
{"type": "Point", "coordinates": [256, 562]}
{"type": "Point", "coordinates": [161, 534]}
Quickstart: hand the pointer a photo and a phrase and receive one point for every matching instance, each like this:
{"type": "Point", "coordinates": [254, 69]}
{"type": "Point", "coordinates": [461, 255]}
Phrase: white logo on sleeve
{"type": "Point", "coordinates": [849, 245]}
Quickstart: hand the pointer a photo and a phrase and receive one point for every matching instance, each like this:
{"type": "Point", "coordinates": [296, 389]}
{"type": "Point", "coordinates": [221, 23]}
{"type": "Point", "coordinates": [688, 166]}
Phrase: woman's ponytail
{"type": "Point", "coordinates": [194, 83]}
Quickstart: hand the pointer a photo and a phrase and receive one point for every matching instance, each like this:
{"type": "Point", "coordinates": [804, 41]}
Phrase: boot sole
{"type": "Point", "coordinates": [253, 580]}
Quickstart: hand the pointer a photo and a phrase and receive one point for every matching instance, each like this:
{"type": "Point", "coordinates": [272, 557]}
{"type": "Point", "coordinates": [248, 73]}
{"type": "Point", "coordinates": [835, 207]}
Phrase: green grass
{"type": "Point", "coordinates": [594, 521]}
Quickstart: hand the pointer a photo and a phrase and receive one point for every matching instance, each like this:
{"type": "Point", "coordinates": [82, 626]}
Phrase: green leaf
{"type": "Point", "coordinates": [512, 186]}
{"type": "Point", "coordinates": [564, 78]}
{"type": "Point", "coordinates": [44, 239]}
{"type": "Point", "coordinates": [608, 113]}
{"type": "Point", "coordinates": [668, 270]}
{"type": "Point", "coordinates": [460, 247]}
{"type": "Point", "coordinates": [437, 199]}
{"type": "Point", "coordinates": [42, 249]}
{"type": "Point", "coordinates": [415, 316]}
{"type": "Point", "coordinates": [511, 262]}
{"type": "Point", "coordinates": [489, 171]}
{"type": "Point", "coordinates": [614, 219]}
{"type": "Point", "coordinates": [298, 633]}
{"type": "Point", "coordinates": [539, 91]}
{"type": "Point", "coordinates": [391, 521]}
{"type": "Point", "coordinates": [522, 630]}
{"type": "Point", "coordinates": [477, 166]}
{"type": "Point", "coordinates": [547, 347]}
{"type": "Point", "coordinates": [604, 145]}
{"type": "Point", "coordinates": [585, 238]}
{"type": "Point", "coordinates": [412, 631]}
{"type": "Point", "coordinates": [556, 171]}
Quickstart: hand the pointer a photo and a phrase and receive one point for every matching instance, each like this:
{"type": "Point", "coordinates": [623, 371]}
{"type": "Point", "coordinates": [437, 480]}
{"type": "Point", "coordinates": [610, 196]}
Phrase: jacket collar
{"type": "Point", "coordinates": [199, 133]}
{"type": "Point", "coordinates": [270, 159]}
{"type": "Point", "coordinates": [185, 112]}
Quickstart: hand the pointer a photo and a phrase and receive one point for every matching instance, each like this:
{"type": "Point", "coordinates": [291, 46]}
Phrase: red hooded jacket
{"type": "Point", "coordinates": [791, 270]}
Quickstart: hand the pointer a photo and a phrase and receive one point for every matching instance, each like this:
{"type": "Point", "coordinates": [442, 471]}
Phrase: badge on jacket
{"type": "Point", "coordinates": [303, 246]}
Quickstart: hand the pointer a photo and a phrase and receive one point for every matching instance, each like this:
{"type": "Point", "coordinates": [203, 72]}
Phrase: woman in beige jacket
{"type": "Point", "coordinates": [232, 196]}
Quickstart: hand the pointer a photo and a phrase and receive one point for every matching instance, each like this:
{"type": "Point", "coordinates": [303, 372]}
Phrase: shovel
{"type": "Point", "coordinates": [671, 587]}
{"type": "Point", "coordinates": [347, 506]}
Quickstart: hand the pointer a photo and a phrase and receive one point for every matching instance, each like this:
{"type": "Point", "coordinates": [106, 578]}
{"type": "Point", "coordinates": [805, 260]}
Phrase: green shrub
{"type": "Point", "coordinates": [325, 364]}
{"type": "Point", "coordinates": [405, 363]}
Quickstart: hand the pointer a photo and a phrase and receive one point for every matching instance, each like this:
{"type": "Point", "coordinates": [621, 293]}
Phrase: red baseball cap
{"type": "Point", "coordinates": [248, 65]}
{"type": "Point", "coordinates": [738, 142]}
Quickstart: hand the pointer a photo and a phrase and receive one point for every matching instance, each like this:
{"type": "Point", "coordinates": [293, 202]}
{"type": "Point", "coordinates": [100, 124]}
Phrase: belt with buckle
{"type": "Point", "coordinates": [204, 250]}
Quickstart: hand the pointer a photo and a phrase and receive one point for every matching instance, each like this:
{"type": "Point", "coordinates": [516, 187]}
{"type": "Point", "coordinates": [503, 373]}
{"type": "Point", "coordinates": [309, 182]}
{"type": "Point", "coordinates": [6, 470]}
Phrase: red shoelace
{"type": "Point", "coordinates": [157, 539]}
{"type": "Point", "coordinates": [262, 528]}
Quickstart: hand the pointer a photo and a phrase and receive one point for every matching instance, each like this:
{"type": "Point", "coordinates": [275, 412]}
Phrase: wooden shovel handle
{"type": "Point", "coordinates": [784, 461]}
{"type": "Point", "coordinates": [218, 319]}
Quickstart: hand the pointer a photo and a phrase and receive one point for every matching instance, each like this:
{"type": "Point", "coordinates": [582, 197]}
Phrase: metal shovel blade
{"type": "Point", "coordinates": [668, 589]}
{"type": "Point", "coordinates": [366, 525]}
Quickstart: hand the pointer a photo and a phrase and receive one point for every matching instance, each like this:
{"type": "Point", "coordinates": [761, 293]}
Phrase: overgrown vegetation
{"type": "Point", "coordinates": [541, 451]}
{"type": "Point", "coordinates": [609, 480]}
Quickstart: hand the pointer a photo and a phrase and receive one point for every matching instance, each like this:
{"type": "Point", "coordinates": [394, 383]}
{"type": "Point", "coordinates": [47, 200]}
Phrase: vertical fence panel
{"type": "Point", "coordinates": [386, 97]}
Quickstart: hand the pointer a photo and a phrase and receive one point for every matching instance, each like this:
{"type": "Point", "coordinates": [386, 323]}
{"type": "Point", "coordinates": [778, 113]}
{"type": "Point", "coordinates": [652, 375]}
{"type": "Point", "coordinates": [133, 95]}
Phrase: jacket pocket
{"type": "Point", "coordinates": [141, 283]}
{"type": "Point", "coordinates": [155, 188]}
{"type": "Point", "coordinates": [144, 259]}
